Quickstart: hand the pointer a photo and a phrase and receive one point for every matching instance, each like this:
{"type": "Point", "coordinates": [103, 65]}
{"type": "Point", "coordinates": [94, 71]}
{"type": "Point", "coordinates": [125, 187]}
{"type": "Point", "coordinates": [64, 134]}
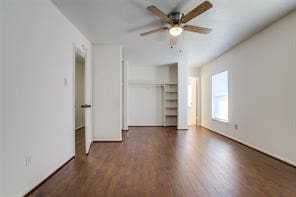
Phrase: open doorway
{"type": "Point", "coordinates": [192, 101]}
{"type": "Point", "coordinates": [79, 105]}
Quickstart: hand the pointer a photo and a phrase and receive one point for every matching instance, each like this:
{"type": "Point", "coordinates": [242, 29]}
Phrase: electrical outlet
{"type": "Point", "coordinates": [236, 127]}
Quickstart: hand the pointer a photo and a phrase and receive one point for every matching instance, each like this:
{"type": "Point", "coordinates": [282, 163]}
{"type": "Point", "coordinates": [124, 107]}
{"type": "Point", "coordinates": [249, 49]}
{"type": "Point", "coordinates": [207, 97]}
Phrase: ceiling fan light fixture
{"type": "Point", "coordinates": [176, 30]}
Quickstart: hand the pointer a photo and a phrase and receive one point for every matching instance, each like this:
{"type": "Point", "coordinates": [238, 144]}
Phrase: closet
{"type": "Point", "coordinates": [153, 95]}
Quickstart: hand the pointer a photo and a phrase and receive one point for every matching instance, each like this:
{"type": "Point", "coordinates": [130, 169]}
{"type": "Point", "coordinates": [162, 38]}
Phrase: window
{"type": "Point", "coordinates": [220, 96]}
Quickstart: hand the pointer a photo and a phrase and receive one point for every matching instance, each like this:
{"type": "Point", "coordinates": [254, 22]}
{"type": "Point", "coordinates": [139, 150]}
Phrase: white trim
{"type": "Point", "coordinates": [87, 126]}
{"type": "Point", "coordinates": [73, 96]}
{"type": "Point", "coordinates": [107, 140]}
{"type": "Point", "coordinates": [212, 97]}
{"type": "Point", "coordinates": [146, 125]}
{"type": "Point", "coordinates": [252, 146]}
{"type": "Point", "coordinates": [45, 177]}
{"type": "Point", "coordinates": [180, 128]}
{"type": "Point", "coordinates": [124, 95]}
{"type": "Point", "coordinates": [220, 120]}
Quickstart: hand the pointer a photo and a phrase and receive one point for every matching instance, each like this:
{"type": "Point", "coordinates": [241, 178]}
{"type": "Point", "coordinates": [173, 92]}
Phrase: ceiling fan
{"type": "Point", "coordinates": [176, 20]}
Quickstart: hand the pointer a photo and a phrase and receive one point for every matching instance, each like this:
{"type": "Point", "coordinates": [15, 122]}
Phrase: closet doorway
{"type": "Point", "coordinates": [153, 95]}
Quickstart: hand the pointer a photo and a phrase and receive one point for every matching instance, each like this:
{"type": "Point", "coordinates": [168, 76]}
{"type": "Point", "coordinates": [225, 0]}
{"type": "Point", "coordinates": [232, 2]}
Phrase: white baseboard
{"type": "Point", "coordinates": [107, 140]}
{"type": "Point", "coordinates": [38, 183]}
{"type": "Point", "coordinates": [146, 125]}
{"type": "Point", "coordinates": [256, 148]}
{"type": "Point", "coordinates": [125, 129]}
{"type": "Point", "coordinates": [182, 128]}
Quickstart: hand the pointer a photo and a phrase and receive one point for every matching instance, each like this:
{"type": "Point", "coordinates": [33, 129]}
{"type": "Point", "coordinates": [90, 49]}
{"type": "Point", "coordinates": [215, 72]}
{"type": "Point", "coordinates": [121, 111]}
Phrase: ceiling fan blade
{"type": "Point", "coordinates": [173, 40]}
{"type": "Point", "coordinates": [196, 29]}
{"type": "Point", "coordinates": [160, 14]}
{"type": "Point", "coordinates": [154, 31]}
{"type": "Point", "coordinates": [197, 11]}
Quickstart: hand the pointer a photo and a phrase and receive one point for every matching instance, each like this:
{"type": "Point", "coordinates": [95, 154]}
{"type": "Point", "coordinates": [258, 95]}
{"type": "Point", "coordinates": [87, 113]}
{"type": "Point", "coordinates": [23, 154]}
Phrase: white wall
{"type": "Point", "coordinates": [145, 102]}
{"type": "Point", "coordinates": [145, 105]}
{"type": "Point", "coordinates": [262, 91]}
{"type": "Point", "coordinates": [153, 74]}
{"type": "Point", "coordinates": [39, 55]}
{"type": "Point", "coordinates": [194, 72]}
{"type": "Point", "coordinates": [1, 109]}
{"type": "Point", "coordinates": [182, 92]}
{"type": "Point", "coordinates": [107, 92]}
{"type": "Point", "coordinates": [79, 94]}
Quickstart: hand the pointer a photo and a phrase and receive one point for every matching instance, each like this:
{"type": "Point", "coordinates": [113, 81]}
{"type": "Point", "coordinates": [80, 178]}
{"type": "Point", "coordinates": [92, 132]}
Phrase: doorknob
{"type": "Point", "coordinates": [85, 106]}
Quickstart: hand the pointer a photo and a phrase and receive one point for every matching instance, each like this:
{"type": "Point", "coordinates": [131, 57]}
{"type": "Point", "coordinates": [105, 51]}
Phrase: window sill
{"type": "Point", "coordinates": [220, 120]}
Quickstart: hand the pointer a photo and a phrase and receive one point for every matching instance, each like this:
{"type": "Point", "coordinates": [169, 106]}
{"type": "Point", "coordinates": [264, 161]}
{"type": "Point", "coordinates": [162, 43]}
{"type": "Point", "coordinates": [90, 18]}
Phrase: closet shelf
{"type": "Point", "coordinates": [171, 99]}
{"type": "Point", "coordinates": [170, 104]}
{"type": "Point", "coordinates": [171, 107]}
{"type": "Point", "coordinates": [171, 115]}
{"type": "Point", "coordinates": [171, 92]}
{"type": "Point", "coordinates": [173, 84]}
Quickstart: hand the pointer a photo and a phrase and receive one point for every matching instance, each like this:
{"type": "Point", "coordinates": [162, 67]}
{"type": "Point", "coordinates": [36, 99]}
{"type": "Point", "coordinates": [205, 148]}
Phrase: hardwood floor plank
{"type": "Point", "coordinates": [80, 143]}
{"type": "Point", "coordinates": [155, 161]}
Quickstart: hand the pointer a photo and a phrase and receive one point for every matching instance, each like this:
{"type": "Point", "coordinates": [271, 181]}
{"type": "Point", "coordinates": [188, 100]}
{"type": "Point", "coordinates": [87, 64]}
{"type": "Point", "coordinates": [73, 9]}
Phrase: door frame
{"type": "Point", "coordinates": [83, 52]}
{"type": "Point", "coordinates": [194, 99]}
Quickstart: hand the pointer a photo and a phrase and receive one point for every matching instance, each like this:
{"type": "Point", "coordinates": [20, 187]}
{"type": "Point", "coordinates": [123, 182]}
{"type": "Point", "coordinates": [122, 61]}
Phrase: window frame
{"type": "Point", "coordinates": [212, 98]}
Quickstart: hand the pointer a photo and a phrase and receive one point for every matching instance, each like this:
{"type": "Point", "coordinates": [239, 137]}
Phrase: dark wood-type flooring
{"type": "Point", "coordinates": [155, 161]}
{"type": "Point", "coordinates": [80, 143]}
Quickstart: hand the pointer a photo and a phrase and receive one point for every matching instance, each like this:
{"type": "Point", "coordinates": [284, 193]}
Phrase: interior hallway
{"type": "Point", "coordinates": [156, 161]}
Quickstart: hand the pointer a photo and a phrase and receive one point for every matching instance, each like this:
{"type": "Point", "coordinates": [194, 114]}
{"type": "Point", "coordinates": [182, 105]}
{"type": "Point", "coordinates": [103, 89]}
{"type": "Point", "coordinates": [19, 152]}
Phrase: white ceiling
{"type": "Point", "coordinates": [121, 22]}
